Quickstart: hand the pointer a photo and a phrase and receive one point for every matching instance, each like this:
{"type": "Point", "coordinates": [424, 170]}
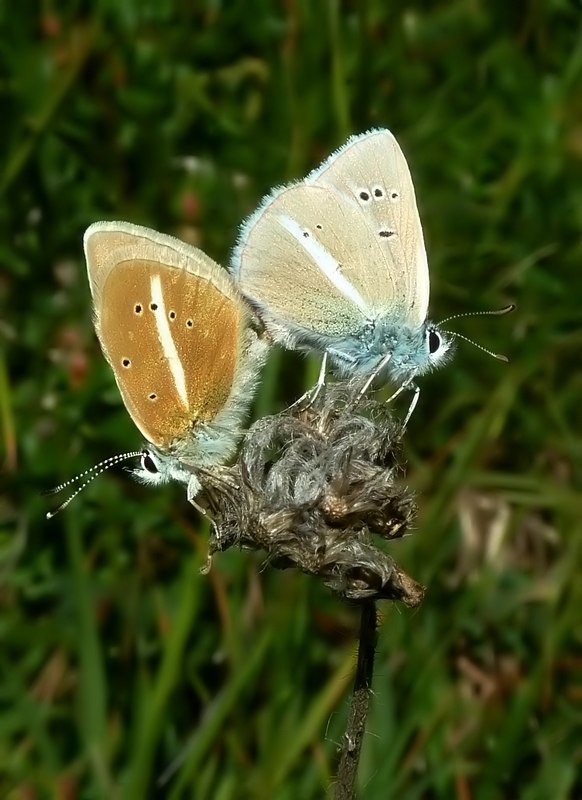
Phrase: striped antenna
{"type": "Point", "coordinates": [88, 475]}
{"type": "Point", "coordinates": [498, 313]}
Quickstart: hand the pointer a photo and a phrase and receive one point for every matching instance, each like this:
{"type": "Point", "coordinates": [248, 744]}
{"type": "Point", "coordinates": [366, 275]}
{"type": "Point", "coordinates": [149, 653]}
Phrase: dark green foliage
{"type": "Point", "coordinates": [126, 673]}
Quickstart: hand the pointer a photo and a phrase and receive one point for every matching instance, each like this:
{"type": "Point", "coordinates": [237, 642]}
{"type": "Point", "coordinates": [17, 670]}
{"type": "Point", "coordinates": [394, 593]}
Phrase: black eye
{"type": "Point", "coordinates": [148, 463]}
{"type": "Point", "coordinates": [434, 342]}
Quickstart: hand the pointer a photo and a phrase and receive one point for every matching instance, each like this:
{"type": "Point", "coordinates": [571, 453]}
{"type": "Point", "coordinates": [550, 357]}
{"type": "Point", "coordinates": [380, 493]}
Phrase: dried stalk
{"type": "Point", "coordinates": [315, 489]}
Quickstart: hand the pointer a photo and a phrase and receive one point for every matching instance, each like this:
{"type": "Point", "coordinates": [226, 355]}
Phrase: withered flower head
{"type": "Point", "coordinates": [313, 487]}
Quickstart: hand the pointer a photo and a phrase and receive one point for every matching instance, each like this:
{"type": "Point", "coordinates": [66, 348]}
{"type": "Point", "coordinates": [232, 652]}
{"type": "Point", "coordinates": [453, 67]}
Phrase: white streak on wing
{"type": "Point", "coordinates": [166, 340]}
{"type": "Point", "coordinates": [420, 300]}
{"type": "Point", "coordinates": [324, 260]}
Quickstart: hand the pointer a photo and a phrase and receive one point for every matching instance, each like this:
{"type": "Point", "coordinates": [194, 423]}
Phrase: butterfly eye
{"type": "Point", "coordinates": [148, 463]}
{"type": "Point", "coordinates": [434, 341]}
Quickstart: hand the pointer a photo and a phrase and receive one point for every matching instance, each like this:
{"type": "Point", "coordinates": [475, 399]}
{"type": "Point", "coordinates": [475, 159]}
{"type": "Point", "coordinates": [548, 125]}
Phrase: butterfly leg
{"type": "Point", "coordinates": [408, 384]}
{"type": "Point", "coordinates": [375, 374]}
{"type": "Point", "coordinates": [313, 393]}
{"type": "Point", "coordinates": [412, 405]}
{"type": "Point", "coordinates": [193, 489]}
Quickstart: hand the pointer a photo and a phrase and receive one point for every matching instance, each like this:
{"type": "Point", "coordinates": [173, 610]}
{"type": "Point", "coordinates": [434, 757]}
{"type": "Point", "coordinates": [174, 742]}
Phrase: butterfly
{"type": "Point", "coordinates": [336, 263]}
{"type": "Point", "coordinates": [180, 342]}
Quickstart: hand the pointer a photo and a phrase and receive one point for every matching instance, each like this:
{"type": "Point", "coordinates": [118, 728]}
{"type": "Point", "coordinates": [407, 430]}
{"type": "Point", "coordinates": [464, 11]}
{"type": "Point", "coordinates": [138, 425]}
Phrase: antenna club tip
{"type": "Point", "coordinates": [509, 308]}
{"type": "Point", "coordinates": [501, 357]}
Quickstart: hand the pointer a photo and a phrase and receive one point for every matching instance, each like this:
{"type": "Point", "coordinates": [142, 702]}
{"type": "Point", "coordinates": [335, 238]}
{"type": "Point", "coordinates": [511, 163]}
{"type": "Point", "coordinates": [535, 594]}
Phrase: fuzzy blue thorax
{"type": "Point", "coordinates": [415, 350]}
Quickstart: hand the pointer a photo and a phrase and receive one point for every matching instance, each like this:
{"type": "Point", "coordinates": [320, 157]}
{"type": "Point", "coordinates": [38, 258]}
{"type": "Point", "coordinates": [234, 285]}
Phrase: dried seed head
{"type": "Point", "coordinates": [312, 487]}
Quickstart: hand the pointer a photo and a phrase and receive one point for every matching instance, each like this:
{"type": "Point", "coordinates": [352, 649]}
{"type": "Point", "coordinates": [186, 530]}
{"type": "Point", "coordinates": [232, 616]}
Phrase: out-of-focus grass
{"type": "Point", "coordinates": [125, 673]}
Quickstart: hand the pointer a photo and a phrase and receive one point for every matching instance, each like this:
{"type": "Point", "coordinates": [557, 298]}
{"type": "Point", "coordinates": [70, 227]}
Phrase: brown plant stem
{"type": "Point", "coordinates": [358, 713]}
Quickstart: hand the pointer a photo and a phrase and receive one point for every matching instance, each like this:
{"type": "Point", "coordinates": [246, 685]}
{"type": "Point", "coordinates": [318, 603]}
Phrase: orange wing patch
{"type": "Point", "coordinates": [173, 353]}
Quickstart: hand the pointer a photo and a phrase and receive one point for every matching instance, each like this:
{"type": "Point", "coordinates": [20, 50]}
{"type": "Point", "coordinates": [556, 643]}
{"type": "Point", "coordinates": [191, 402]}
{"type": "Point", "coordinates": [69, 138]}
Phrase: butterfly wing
{"type": "Point", "coordinates": [170, 323]}
{"type": "Point", "coordinates": [338, 248]}
{"type": "Point", "coordinates": [290, 260]}
{"type": "Point", "coordinates": [370, 170]}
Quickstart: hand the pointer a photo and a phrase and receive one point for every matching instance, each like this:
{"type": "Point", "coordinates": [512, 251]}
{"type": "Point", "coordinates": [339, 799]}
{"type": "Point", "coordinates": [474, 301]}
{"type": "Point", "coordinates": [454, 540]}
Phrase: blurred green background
{"type": "Point", "coordinates": [127, 674]}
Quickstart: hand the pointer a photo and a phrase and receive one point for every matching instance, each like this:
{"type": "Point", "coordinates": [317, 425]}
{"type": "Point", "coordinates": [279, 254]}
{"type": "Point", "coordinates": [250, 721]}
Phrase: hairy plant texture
{"type": "Point", "coordinates": [313, 487]}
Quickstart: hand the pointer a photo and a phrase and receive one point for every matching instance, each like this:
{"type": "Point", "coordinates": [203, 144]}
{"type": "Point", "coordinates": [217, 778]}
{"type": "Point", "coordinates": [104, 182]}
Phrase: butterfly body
{"type": "Point", "coordinates": [412, 349]}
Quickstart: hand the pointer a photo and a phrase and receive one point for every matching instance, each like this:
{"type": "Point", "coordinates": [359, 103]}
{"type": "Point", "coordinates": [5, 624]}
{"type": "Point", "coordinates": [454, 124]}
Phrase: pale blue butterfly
{"type": "Point", "coordinates": [336, 263]}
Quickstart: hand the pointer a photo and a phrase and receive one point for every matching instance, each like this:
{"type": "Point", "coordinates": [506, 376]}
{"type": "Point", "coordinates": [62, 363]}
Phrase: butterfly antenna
{"type": "Point", "coordinates": [498, 356]}
{"type": "Point", "coordinates": [497, 313]}
{"type": "Point", "coordinates": [88, 475]}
